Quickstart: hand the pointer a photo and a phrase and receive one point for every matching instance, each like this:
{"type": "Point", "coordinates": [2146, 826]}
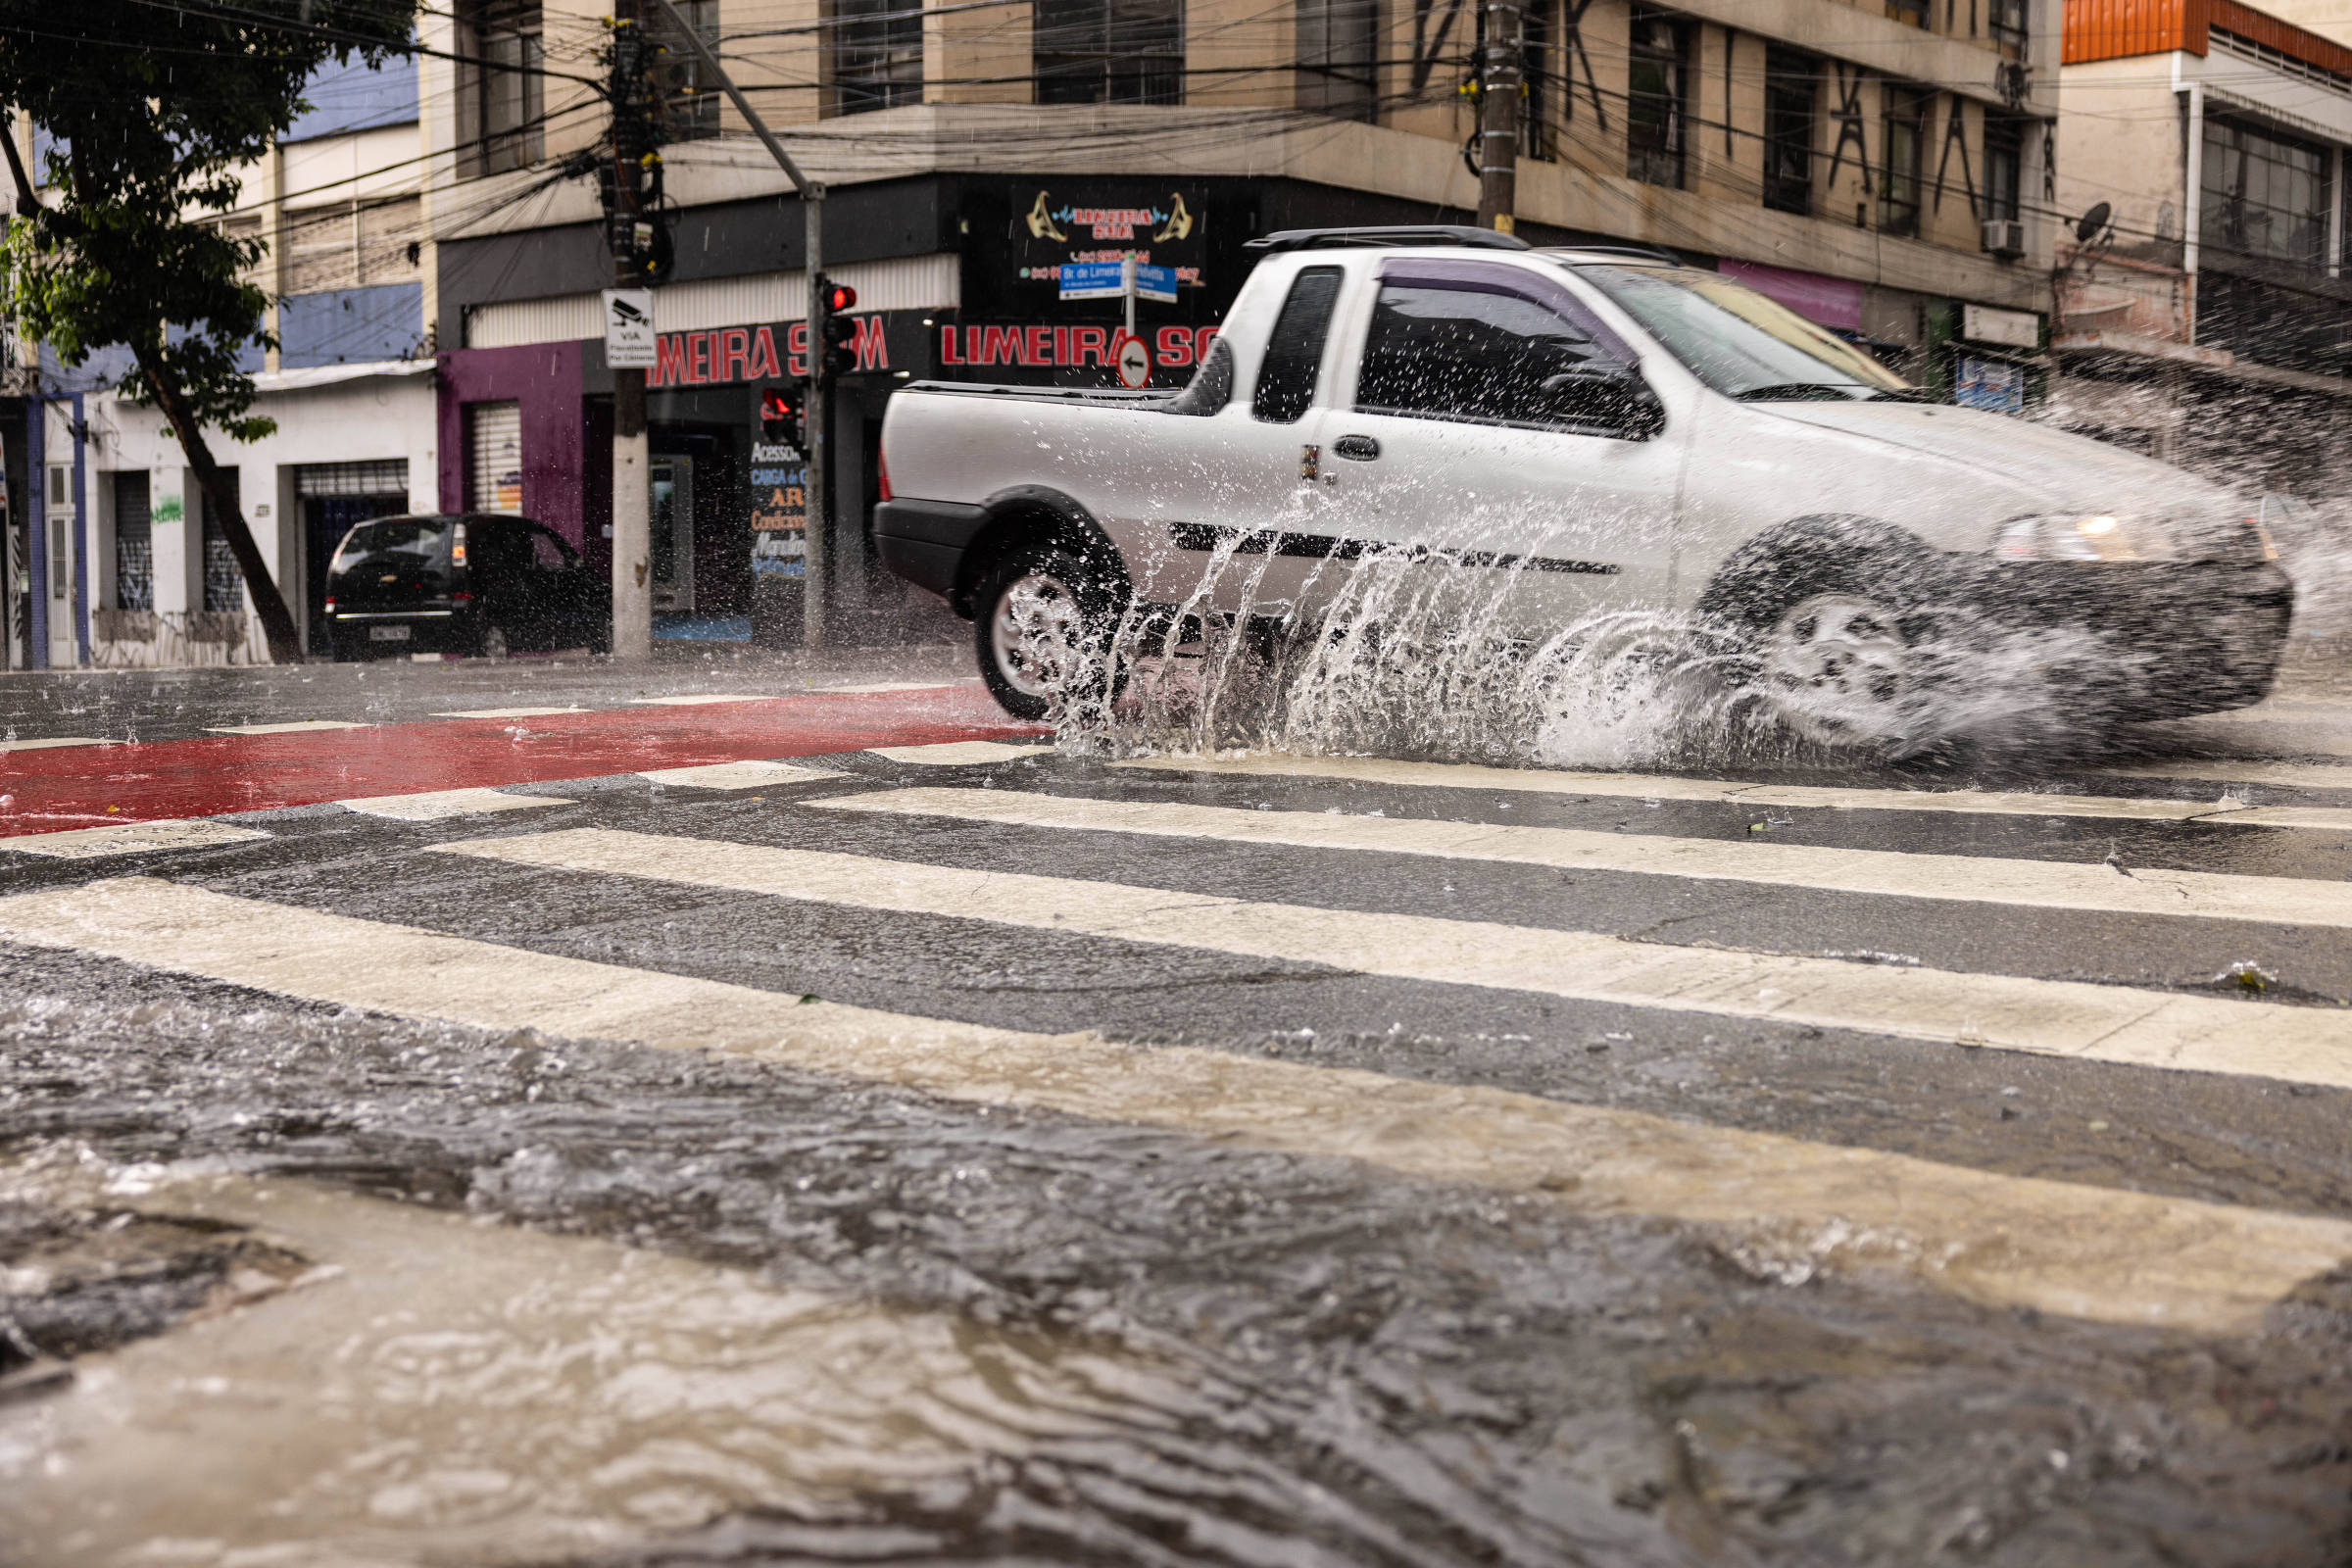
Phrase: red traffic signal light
{"type": "Point", "coordinates": [780, 414]}
{"type": "Point", "coordinates": [840, 297]}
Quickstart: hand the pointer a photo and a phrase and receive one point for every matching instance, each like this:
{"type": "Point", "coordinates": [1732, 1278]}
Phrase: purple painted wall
{"type": "Point", "coordinates": [544, 378]}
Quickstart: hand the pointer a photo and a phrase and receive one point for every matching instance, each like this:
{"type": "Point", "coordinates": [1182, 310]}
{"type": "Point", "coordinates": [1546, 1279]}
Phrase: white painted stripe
{"type": "Point", "coordinates": [737, 776]}
{"type": "Point", "coordinates": [2056, 1017]}
{"type": "Point", "coordinates": [884, 686]}
{"type": "Point", "coordinates": [508, 712]}
{"type": "Point", "coordinates": [1967, 878]}
{"type": "Point", "coordinates": [129, 838]}
{"type": "Point", "coordinates": [287, 729]}
{"type": "Point", "coordinates": [701, 701]}
{"type": "Point", "coordinates": [959, 753]}
{"type": "Point", "coordinates": [1667, 787]}
{"type": "Point", "coordinates": [55, 741]}
{"type": "Point", "coordinates": [2230, 770]}
{"type": "Point", "coordinates": [433, 805]}
{"type": "Point", "coordinates": [2086, 1251]}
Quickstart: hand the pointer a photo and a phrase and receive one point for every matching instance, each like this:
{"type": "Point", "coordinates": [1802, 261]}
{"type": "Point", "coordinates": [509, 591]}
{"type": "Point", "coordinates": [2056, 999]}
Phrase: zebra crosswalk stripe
{"type": "Point", "coordinates": [2071, 1018]}
{"type": "Point", "coordinates": [1670, 787]}
{"type": "Point", "coordinates": [2100, 1253]}
{"type": "Point", "coordinates": [1966, 878]}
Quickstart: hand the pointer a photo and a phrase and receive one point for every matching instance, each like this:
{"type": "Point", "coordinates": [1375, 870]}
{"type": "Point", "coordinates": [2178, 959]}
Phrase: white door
{"type": "Point", "coordinates": [1494, 437]}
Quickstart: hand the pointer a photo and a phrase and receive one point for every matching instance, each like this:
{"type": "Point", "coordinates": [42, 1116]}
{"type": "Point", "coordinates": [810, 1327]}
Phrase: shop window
{"type": "Point", "coordinates": [1338, 51]}
{"type": "Point", "coordinates": [1108, 51]}
{"type": "Point", "coordinates": [223, 588]}
{"type": "Point", "coordinates": [494, 457]}
{"type": "Point", "coordinates": [1791, 105]}
{"type": "Point", "coordinates": [877, 54]}
{"type": "Point", "coordinates": [1904, 119]}
{"type": "Point", "coordinates": [1657, 99]}
{"type": "Point", "coordinates": [503, 88]}
{"type": "Point", "coordinates": [134, 542]}
{"type": "Point", "coordinates": [2267, 196]}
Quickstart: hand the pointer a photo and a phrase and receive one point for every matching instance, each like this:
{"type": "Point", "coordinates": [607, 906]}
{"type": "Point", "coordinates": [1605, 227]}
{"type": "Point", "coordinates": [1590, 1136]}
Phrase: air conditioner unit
{"type": "Point", "coordinates": [2004, 236]}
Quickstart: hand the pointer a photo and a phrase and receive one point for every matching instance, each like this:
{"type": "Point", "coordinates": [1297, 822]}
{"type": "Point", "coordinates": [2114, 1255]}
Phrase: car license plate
{"type": "Point", "coordinates": [387, 635]}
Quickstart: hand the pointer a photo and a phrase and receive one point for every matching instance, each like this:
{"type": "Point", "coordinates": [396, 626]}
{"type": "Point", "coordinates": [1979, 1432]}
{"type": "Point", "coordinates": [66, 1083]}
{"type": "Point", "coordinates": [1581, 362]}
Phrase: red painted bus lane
{"type": "Point", "coordinates": [81, 786]}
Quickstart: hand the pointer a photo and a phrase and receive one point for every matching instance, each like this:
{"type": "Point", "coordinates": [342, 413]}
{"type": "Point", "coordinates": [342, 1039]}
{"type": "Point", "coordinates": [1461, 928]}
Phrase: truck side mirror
{"type": "Point", "coordinates": [1604, 393]}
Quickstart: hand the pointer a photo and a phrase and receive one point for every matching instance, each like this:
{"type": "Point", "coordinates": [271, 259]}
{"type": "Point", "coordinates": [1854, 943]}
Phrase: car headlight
{"type": "Point", "coordinates": [2084, 537]}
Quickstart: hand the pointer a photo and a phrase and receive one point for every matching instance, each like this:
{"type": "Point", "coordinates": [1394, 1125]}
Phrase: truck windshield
{"type": "Point", "coordinates": [1741, 343]}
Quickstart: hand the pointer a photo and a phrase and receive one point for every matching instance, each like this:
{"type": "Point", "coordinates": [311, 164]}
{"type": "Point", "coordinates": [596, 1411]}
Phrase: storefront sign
{"type": "Point", "coordinates": [2017, 330]}
{"type": "Point", "coordinates": [1172, 347]}
{"type": "Point", "coordinates": [779, 479]}
{"type": "Point", "coordinates": [731, 354]}
{"type": "Point", "coordinates": [1088, 223]}
{"type": "Point", "coordinates": [1989, 384]}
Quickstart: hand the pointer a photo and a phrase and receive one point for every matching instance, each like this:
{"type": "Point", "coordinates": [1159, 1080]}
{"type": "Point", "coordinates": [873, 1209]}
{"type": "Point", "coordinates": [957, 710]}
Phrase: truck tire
{"type": "Point", "coordinates": [1834, 609]}
{"type": "Point", "coordinates": [1043, 623]}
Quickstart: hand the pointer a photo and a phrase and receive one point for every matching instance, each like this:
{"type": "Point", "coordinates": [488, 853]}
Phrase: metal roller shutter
{"type": "Point", "coordinates": [494, 457]}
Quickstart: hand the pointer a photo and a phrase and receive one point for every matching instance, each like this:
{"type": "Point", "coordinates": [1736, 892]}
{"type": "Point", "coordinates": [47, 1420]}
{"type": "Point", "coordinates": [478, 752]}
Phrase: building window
{"type": "Point", "coordinates": [2266, 195]}
{"type": "Point", "coordinates": [689, 98]}
{"type": "Point", "coordinates": [350, 245]}
{"type": "Point", "coordinates": [1338, 51]}
{"type": "Point", "coordinates": [877, 54]}
{"type": "Point", "coordinates": [1656, 99]}
{"type": "Point", "coordinates": [134, 542]}
{"type": "Point", "coordinates": [1905, 122]}
{"type": "Point", "coordinates": [2007, 21]}
{"type": "Point", "coordinates": [1108, 51]}
{"type": "Point", "coordinates": [1914, 12]}
{"type": "Point", "coordinates": [1791, 104]}
{"type": "Point", "coordinates": [508, 84]}
{"type": "Point", "coordinates": [2005, 165]}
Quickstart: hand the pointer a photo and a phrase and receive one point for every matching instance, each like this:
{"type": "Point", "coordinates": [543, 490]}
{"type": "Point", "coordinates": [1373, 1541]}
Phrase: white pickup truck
{"type": "Point", "coordinates": [1593, 430]}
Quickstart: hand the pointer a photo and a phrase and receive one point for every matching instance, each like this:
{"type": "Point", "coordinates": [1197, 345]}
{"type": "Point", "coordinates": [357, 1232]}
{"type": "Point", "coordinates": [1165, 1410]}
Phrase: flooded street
{"type": "Point", "coordinates": [915, 1143]}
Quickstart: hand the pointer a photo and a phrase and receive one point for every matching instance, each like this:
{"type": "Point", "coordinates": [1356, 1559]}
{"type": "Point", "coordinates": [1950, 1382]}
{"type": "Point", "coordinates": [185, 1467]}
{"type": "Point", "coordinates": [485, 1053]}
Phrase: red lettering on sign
{"type": "Point", "coordinates": [946, 347]}
{"type": "Point", "coordinates": [1040, 346]}
{"type": "Point", "coordinates": [1002, 345]}
{"type": "Point", "coordinates": [697, 358]}
{"type": "Point", "coordinates": [873, 348]}
{"type": "Point", "coordinates": [1086, 342]}
{"type": "Point", "coordinates": [735, 355]}
{"type": "Point", "coordinates": [1062, 347]}
{"type": "Point", "coordinates": [1175, 347]}
{"type": "Point", "coordinates": [1201, 341]}
{"type": "Point", "coordinates": [795, 348]}
{"type": "Point", "coordinates": [763, 353]}
{"type": "Point", "coordinates": [670, 360]}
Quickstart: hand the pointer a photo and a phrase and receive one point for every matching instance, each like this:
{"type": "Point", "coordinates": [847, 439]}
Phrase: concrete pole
{"type": "Point", "coordinates": [816, 561]}
{"type": "Point", "coordinates": [632, 497]}
{"type": "Point", "coordinates": [1499, 119]}
{"type": "Point", "coordinates": [2195, 223]}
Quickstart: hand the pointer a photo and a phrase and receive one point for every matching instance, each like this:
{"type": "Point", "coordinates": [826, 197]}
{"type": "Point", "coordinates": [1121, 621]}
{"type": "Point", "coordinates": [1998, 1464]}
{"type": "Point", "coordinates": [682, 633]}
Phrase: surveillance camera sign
{"type": "Point", "coordinates": [629, 328]}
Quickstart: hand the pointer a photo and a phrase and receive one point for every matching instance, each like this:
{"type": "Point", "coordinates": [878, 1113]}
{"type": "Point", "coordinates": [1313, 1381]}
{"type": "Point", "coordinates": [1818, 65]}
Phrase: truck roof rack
{"type": "Point", "coordinates": [1646, 251]}
{"type": "Point", "coordinates": [1330, 239]}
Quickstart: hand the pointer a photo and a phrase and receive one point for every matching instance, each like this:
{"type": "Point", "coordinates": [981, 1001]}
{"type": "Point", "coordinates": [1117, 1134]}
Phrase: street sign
{"type": "Point", "coordinates": [1134, 357]}
{"type": "Point", "coordinates": [1155, 283]}
{"type": "Point", "coordinates": [629, 328]}
{"type": "Point", "coordinates": [1092, 280]}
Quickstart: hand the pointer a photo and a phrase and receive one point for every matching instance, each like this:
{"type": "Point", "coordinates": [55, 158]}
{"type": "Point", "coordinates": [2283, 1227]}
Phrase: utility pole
{"type": "Point", "coordinates": [632, 519]}
{"type": "Point", "coordinates": [1500, 87]}
{"type": "Point", "coordinates": [812, 204]}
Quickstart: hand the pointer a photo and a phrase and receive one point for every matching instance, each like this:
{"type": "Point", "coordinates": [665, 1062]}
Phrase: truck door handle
{"type": "Point", "coordinates": [1360, 448]}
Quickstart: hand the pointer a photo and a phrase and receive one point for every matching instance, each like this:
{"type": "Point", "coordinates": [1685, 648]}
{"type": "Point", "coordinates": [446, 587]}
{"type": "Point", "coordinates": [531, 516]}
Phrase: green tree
{"type": "Point", "coordinates": [153, 108]}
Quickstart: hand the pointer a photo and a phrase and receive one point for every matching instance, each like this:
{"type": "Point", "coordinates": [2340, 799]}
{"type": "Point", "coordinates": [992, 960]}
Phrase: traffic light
{"type": "Point", "coordinates": [782, 410]}
{"type": "Point", "coordinates": [838, 348]}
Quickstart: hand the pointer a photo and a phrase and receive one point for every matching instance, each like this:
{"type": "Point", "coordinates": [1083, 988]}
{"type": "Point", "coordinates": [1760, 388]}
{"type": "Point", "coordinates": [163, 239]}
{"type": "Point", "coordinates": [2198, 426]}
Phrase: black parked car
{"type": "Point", "coordinates": [479, 584]}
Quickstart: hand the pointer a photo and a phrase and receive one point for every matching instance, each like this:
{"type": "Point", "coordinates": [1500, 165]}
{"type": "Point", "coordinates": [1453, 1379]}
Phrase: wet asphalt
{"type": "Point", "coordinates": [1373, 1369]}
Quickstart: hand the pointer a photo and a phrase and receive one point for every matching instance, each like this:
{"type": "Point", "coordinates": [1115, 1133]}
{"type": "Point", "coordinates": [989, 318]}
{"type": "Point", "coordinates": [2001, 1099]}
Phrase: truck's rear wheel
{"type": "Point", "coordinates": [1043, 626]}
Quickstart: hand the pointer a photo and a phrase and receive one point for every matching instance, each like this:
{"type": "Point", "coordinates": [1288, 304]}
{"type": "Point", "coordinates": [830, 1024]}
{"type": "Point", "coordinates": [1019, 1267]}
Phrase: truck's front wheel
{"type": "Point", "coordinates": [1043, 625]}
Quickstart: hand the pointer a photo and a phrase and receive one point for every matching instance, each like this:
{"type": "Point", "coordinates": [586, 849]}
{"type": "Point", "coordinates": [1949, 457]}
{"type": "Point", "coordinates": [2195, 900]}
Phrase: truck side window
{"type": "Point", "coordinates": [1211, 386]}
{"type": "Point", "coordinates": [1466, 354]}
{"type": "Point", "coordinates": [1286, 378]}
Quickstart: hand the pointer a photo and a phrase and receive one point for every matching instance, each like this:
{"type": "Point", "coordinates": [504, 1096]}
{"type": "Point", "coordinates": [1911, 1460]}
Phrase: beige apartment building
{"type": "Point", "coordinates": [1882, 168]}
